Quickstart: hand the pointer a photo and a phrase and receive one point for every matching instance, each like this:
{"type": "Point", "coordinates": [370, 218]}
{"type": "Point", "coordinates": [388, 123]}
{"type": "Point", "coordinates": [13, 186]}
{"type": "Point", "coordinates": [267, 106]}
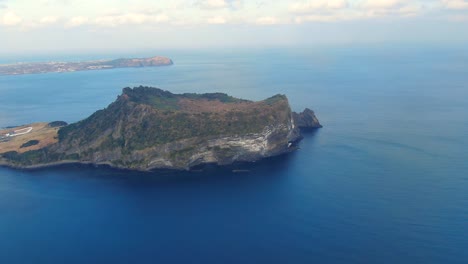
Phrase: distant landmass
{"type": "Point", "coordinates": [148, 128]}
{"type": "Point", "coordinates": [45, 67]}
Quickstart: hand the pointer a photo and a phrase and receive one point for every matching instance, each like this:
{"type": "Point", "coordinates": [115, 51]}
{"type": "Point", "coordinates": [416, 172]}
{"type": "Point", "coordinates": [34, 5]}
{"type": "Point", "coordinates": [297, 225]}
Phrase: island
{"type": "Point", "coordinates": [45, 67]}
{"type": "Point", "coordinates": [148, 128]}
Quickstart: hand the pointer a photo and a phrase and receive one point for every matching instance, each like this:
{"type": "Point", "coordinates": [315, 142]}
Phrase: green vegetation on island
{"type": "Point", "coordinates": [148, 128]}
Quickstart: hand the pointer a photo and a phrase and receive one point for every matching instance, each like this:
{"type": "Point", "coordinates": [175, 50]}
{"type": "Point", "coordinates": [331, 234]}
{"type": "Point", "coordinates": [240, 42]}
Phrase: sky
{"type": "Point", "coordinates": [71, 25]}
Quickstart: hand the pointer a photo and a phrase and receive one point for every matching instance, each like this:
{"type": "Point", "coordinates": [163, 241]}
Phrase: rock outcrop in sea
{"type": "Point", "coordinates": [306, 119]}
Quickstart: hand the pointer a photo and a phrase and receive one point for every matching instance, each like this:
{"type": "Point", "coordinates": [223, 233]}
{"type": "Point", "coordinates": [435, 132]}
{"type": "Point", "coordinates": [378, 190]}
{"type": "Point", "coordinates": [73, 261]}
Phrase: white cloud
{"type": "Point", "coordinates": [48, 20]}
{"type": "Point", "coordinates": [200, 12]}
{"type": "Point", "coordinates": [77, 21]}
{"type": "Point", "coordinates": [38, 23]}
{"type": "Point", "coordinates": [11, 19]}
{"type": "Point", "coordinates": [213, 4]}
{"type": "Point", "coordinates": [115, 19]}
{"type": "Point", "coordinates": [330, 18]}
{"type": "Point", "coordinates": [383, 4]}
{"type": "Point", "coordinates": [383, 8]}
{"type": "Point", "coordinates": [318, 5]}
{"type": "Point", "coordinates": [219, 4]}
{"type": "Point", "coordinates": [410, 10]}
{"type": "Point", "coordinates": [316, 18]}
{"type": "Point", "coordinates": [218, 20]}
{"type": "Point", "coordinates": [455, 4]}
{"type": "Point", "coordinates": [340, 10]}
{"type": "Point", "coordinates": [130, 19]}
{"type": "Point", "coordinates": [267, 20]}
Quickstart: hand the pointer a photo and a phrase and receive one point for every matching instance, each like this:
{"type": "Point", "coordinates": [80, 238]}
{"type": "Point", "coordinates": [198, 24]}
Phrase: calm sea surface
{"type": "Point", "coordinates": [385, 181]}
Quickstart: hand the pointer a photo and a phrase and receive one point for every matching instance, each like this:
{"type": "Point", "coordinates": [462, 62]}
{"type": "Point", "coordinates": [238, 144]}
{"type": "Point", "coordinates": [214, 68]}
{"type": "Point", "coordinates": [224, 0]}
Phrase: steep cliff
{"type": "Point", "coordinates": [148, 128]}
{"type": "Point", "coordinates": [306, 119]}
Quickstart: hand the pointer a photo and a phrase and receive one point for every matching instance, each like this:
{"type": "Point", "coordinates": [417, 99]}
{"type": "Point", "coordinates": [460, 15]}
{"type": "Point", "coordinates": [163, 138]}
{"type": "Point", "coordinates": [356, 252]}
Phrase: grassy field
{"type": "Point", "coordinates": [40, 132]}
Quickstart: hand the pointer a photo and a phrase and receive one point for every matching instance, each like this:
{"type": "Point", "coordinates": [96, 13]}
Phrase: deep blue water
{"type": "Point", "coordinates": [385, 181]}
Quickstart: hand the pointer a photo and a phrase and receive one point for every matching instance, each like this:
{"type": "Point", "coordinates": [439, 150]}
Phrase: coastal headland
{"type": "Point", "coordinates": [46, 67]}
{"type": "Point", "coordinates": [148, 128]}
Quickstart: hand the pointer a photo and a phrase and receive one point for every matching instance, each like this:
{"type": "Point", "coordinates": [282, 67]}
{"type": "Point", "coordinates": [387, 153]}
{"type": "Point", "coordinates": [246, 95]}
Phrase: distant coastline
{"type": "Point", "coordinates": [46, 67]}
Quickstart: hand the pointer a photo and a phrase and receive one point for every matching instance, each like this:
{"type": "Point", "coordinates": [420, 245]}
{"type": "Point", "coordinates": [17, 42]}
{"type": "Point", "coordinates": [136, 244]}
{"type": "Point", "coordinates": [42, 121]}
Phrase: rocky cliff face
{"type": "Point", "coordinates": [148, 128]}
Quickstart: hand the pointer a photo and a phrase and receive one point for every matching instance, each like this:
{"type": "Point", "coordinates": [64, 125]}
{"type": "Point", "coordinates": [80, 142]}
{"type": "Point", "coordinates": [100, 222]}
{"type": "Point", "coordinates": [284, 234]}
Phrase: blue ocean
{"type": "Point", "coordinates": [384, 181]}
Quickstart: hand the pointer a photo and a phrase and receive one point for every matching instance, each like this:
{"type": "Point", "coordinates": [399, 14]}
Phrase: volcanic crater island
{"type": "Point", "coordinates": [148, 128]}
{"type": "Point", "coordinates": [46, 67]}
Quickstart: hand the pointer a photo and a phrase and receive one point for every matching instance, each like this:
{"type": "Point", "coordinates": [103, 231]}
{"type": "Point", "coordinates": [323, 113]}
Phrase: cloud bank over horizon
{"type": "Point", "coordinates": [52, 23]}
